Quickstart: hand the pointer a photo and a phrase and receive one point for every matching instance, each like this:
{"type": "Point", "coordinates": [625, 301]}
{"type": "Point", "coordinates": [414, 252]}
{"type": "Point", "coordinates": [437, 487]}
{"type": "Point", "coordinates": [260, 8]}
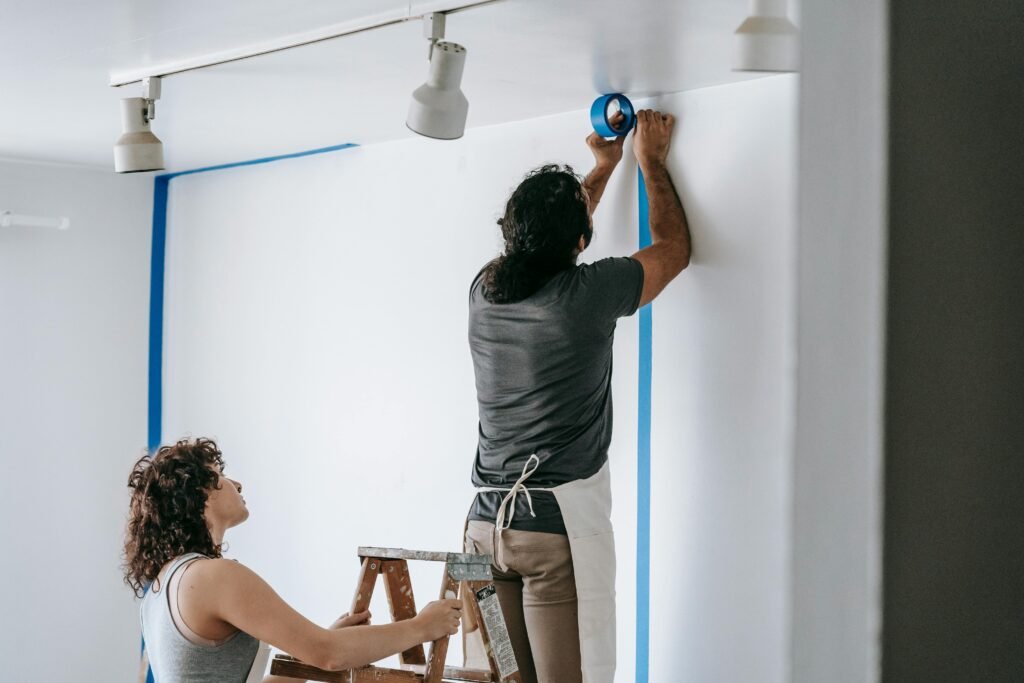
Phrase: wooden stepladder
{"type": "Point", "coordinates": [460, 569]}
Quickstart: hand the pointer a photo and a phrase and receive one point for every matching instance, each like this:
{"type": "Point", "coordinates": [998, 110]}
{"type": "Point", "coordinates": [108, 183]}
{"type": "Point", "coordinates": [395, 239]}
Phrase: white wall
{"type": "Point", "coordinates": [73, 340]}
{"type": "Point", "coordinates": [723, 393]}
{"type": "Point", "coordinates": [316, 326]}
{"type": "Point", "coordinates": [837, 472]}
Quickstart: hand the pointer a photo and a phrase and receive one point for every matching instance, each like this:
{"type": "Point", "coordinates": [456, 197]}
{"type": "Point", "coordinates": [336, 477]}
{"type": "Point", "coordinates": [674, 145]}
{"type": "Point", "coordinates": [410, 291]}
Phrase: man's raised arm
{"type": "Point", "coordinates": [669, 252]}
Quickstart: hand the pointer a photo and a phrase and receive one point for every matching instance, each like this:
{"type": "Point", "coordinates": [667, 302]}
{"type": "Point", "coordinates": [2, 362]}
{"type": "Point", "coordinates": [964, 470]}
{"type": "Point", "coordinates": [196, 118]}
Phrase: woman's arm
{"type": "Point", "coordinates": [234, 594]}
{"type": "Point", "coordinates": [342, 622]}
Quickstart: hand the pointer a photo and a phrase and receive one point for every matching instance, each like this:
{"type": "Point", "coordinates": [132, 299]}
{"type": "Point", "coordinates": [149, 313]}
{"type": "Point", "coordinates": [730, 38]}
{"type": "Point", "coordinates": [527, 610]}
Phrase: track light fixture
{"type": "Point", "coordinates": [439, 108]}
{"type": "Point", "coordinates": [138, 149]}
{"type": "Point", "coordinates": [767, 40]}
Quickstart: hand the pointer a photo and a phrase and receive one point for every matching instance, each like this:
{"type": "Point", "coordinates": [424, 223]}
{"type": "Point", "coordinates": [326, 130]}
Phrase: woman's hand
{"type": "Point", "coordinates": [440, 618]}
{"type": "Point", "coordinates": [346, 619]}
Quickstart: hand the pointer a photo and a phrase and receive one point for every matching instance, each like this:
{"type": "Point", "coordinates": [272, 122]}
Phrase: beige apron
{"type": "Point", "coordinates": [586, 506]}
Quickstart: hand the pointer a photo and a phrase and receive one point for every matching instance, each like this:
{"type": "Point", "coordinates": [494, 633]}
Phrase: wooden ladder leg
{"type": "Point", "coordinates": [364, 588]}
{"type": "Point", "coordinates": [398, 587]}
{"type": "Point", "coordinates": [483, 600]}
{"type": "Point", "coordinates": [439, 648]}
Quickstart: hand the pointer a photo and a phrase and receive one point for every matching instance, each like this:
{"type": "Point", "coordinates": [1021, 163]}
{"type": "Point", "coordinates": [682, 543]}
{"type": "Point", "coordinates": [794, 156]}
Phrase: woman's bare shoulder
{"type": "Point", "coordinates": [219, 569]}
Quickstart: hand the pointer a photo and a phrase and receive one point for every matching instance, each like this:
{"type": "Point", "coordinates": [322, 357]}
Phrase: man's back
{"type": "Point", "coordinates": [543, 375]}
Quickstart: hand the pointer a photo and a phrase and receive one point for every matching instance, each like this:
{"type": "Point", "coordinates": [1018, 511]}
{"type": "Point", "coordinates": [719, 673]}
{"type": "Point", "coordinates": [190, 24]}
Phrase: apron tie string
{"type": "Point", "coordinates": [509, 500]}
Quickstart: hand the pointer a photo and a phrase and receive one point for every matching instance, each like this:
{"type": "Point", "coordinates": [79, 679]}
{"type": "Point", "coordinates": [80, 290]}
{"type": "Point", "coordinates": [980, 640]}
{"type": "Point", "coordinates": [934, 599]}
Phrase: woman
{"type": "Point", "coordinates": [541, 329]}
{"type": "Point", "coordinates": [203, 617]}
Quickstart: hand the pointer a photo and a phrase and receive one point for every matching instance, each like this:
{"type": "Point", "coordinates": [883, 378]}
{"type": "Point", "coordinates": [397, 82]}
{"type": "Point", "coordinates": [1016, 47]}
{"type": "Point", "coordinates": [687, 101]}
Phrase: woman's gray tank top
{"type": "Point", "coordinates": [173, 658]}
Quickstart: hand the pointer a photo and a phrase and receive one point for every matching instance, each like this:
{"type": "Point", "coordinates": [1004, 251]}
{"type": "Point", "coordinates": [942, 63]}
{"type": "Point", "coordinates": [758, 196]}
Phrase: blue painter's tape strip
{"type": "Point", "coordinates": [264, 160]}
{"type": "Point", "coordinates": [156, 312]}
{"type": "Point", "coordinates": [161, 188]}
{"type": "Point", "coordinates": [599, 115]}
{"type": "Point", "coordinates": [154, 429]}
{"type": "Point", "coordinates": [149, 670]}
{"type": "Point", "coordinates": [643, 465]}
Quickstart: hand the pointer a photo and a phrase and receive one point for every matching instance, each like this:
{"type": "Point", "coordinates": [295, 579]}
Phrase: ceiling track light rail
{"type": "Point", "coordinates": [292, 41]}
{"type": "Point", "coordinates": [438, 109]}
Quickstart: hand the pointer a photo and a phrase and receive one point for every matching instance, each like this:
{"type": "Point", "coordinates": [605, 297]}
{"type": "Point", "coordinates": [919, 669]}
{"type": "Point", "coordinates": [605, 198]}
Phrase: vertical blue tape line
{"type": "Point", "coordinates": [156, 311]}
{"type": "Point", "coordinates": [156, 327]}
{"type": "Point", "coordinates": [643, 466]}
{"type": "Point", "coordinates": [161, 186]}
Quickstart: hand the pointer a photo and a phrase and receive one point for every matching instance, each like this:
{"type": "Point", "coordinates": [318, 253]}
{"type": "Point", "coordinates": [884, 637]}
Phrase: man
{"type": "Point", "coordinates": [540, 330]}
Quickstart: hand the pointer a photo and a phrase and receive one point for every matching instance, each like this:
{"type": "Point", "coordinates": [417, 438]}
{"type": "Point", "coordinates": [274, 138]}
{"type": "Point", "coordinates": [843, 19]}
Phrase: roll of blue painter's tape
{"type": "Point", "coordinates": [599, 115]}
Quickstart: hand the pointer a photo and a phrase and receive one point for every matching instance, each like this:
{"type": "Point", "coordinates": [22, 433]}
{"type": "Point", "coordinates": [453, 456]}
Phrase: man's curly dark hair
{"type": "Point", "coordinates": [543, 222]}
{"type": "Point", "coordinates": [166, 515]}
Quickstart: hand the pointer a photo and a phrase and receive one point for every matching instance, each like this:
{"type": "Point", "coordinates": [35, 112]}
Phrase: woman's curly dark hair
{"type": "Point", "coordinates": [543, 222]}
{"type": "Point", "coordinates": [168, 501]}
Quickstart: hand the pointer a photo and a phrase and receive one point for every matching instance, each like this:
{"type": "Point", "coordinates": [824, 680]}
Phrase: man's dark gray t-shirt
{"type": "Point", "coordinates": [543, 381]}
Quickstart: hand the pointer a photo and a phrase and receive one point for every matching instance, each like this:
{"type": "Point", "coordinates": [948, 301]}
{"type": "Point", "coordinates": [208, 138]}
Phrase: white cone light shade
{"type": "Point", "coordinates": [767, 40]}
{"type": "Point", "coordinates": [438, 108]}
{"type": "Point", "coordinates": [137, 149]}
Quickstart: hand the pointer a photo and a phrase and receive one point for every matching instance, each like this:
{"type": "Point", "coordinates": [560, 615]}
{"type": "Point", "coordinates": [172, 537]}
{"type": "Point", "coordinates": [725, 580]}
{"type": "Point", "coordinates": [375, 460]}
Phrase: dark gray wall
{"type": "Point", "coordinates": [954, 460]}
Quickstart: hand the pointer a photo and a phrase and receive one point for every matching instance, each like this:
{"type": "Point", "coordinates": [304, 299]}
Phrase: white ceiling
{"type": "Point", "coordinates": [526, 59]}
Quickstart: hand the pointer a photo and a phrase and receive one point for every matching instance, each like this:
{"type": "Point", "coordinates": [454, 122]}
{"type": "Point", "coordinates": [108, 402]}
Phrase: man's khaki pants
{"type": "Point", "coordinates": [537, 591]}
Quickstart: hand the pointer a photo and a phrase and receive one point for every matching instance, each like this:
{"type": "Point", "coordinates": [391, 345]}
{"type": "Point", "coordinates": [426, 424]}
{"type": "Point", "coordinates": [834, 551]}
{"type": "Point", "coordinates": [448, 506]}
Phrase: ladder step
{"type": "Point", "coordinates": [420, 555]}
{"type": "Point", "coordinates": [457, 673]}
{"type": "Point", "coordinates": [283, 665]}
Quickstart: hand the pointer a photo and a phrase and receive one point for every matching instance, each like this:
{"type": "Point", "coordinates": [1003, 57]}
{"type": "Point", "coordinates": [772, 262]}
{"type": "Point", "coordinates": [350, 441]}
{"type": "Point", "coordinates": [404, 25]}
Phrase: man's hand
{"type": "Point", "coordinates": [346, 619]}
{"type": "Point", "coordinates": [607, 153]}
{"type": "Point", "coordinates": [652, 137]}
